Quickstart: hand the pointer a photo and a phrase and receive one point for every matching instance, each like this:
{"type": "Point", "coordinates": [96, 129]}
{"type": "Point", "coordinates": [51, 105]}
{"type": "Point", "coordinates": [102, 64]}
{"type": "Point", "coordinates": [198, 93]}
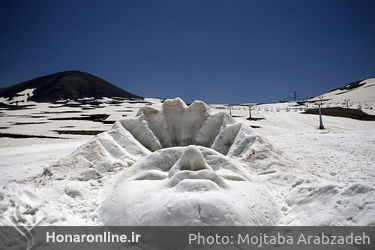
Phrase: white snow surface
{"type": "Point", "coordinates": [21, 97]}
{"type": "Point", "coordinates": [192, 185]}
{"type": "Point", "coordinates": [362, 97]}
{"type": "Point", "coordinates": [286, 171]}
{"type": "Point", "coordinates": [34, 158]}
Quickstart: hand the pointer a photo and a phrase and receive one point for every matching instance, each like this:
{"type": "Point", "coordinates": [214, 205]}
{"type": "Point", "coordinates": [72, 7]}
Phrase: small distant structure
{"type": "Point", "coordinates": [295, 95]}
{"type": "Point", "coordinates": [347, 102]}
{"type": "Point", "coordinates": [231, 106]}
{"type": "Point", "coordinates": [320, 116]}
{"type": "Point", "coordinates": [290, 98]}
{"type": "Point", "coordinates": [319, 103]}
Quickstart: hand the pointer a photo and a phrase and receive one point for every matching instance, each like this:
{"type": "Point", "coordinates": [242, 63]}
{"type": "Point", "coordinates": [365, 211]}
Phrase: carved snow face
{"type": "Point", "coordinates": [190, 185]}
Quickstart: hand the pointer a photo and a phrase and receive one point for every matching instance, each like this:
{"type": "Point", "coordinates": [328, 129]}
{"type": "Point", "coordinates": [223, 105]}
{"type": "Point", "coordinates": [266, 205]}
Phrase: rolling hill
{"type": "Point", "coordinates": [71, 85]}
{"type": "Point", "coordinates": [359, 92]}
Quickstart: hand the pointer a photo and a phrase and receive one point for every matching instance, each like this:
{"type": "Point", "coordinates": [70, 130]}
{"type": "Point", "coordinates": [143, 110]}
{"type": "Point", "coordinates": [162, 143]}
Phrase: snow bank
{"type": "Point", "coordinates": [332, 204]}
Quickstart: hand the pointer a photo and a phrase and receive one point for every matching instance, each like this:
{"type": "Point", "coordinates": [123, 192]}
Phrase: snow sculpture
{"type": "Point", "coordinates": [192, 186]}
{"type": "Point", "coordinates": [151, 130]}
{"type": "Point", "coordinates": [181, 167]}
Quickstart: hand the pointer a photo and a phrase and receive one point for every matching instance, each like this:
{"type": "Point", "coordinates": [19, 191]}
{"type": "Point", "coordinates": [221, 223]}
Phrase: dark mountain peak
{"type": "Point", "coordinates": [67, 85]}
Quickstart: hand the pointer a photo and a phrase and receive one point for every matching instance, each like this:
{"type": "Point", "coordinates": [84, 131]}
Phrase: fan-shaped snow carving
{"type": "Point", "coordinates": [176, 124]}
{"type": "Point", "coordinates": [180, 125]}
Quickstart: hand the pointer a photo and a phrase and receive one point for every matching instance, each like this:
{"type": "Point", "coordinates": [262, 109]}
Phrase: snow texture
{"type": "Point", "coordinates": [187, 165]}
{"type": "Point", "coordinates": [192, 185]}
{"type": "Point", "coordinates": [151, 130]}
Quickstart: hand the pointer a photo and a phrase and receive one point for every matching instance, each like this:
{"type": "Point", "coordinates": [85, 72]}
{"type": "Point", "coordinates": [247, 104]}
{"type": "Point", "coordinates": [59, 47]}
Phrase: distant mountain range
{"type": "Point", "coordinates": [71, 85]}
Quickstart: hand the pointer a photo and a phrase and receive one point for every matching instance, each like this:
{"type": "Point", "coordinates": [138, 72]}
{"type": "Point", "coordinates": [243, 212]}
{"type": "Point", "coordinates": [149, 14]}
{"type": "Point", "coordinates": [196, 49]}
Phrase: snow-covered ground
{"type": "Point", "coordinates": [31, 156]}
{"type": "Point", "coordinates": [342, 151]}
{"type": "Point", "coordinates": [361, 97]}
{"type": "Point", "coordinates": [321, 177]}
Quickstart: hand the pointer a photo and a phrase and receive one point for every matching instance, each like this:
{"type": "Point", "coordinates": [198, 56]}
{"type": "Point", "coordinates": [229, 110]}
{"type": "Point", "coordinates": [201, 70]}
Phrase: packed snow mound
{"type": "Point", "coordinates": [332, 204]}
{"type": "Point", "coordinates": [176, 124]}
{"type": "Point", "coordinates": [188, 186]}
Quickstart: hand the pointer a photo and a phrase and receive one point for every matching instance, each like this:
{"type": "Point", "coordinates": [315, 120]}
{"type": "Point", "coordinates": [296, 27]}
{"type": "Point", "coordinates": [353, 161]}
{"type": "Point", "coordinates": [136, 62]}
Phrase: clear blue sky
{"type": "Point", "coordinates": [216, 51]}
